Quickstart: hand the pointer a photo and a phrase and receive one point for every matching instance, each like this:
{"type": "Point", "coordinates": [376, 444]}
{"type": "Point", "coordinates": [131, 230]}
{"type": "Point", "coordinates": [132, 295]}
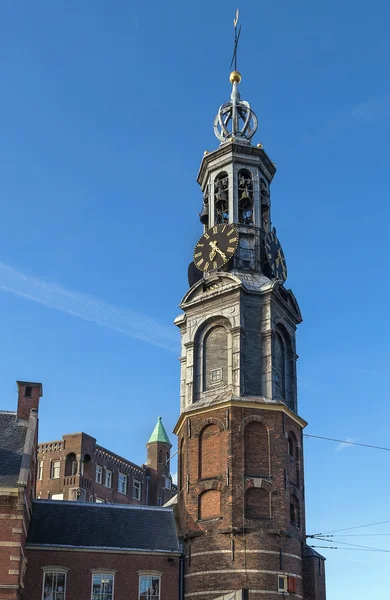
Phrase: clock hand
{"type": "Point", "coordinates": [214, 246]}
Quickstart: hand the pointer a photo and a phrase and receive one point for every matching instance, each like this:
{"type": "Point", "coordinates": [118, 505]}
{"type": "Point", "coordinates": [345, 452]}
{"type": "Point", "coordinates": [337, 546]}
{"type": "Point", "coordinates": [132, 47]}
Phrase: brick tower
{"type": "Point", "coordinates": [158, 465]}
{"type": "Point", "coordinates": [241, 485]}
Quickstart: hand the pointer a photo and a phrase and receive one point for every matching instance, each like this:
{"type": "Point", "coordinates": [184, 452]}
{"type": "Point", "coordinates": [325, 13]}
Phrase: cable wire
{"type": "Point", "coordinates": [347, 529]}
{"type": "Point", "coordinates": [320, 437]}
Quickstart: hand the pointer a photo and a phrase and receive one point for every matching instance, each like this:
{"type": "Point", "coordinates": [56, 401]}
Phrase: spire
{"type": "Point", "coordinates": [159, 434]}
{"type": "Point", "coordinates": [235, 121]}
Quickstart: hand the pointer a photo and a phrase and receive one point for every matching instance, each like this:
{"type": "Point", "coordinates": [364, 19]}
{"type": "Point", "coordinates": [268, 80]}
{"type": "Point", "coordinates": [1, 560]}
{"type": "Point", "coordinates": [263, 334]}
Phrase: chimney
{"type": "Point", "coordinates": [28, 398]}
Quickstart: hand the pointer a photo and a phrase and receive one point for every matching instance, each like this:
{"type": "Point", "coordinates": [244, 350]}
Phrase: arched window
{"type": "Point", "coordinates": [210, 504]}
{"type": "Point", "coordinates": [86, 466]}
{"type": "Point", "coordinates": [295, 518]}
{"type": "Point", "coordinates": [280, 367]}
{"type": "Point", "coordinates": [245, 197]}
{"type": "Point", "coordinates": [160, 457]}
{"type": "Point", "coordinates": [256, 448]}
{"type": "Point", "coordinates": [257, 504]}
{"type": "Point", "coordinates": [209, 452]}
{"type": "Point", "coordinates": [291, 446]}
{"type": "Point", "coordinates": [221, 198]}
{"type": "Point", "coordinates": [70, 465]}
{"type": "Point", "coordinates": [283, 368]}
{"type": "Point", "coordinates": [167, 458]}
{"type": "Point", "coordinates": [215, 358]}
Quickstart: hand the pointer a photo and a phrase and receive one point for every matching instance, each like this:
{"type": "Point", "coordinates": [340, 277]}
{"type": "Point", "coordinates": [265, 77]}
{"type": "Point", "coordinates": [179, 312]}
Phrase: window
{"type": "Point", "coordinates": [59, 496]}
{"type": "Point", "coordinates": [27, 391]}
{"type": "Point", "coordinates": [216, 375]}
{"type": "Point", "coordinates": [167, 458]}
{"type": "Point", "coordinates": [40, 470]}
{"type": "Point", "coordinates": [136, 489]}
{"type": "Point", "coordinates": [55, 469]}
{"type": "Point", "coordinates": [291, 447]}
{"type": "Point", "coordinates": [108, 478]}
{"type": "Point", "coordinates": [168, 483]}
{"type": "Point", "coordinates": [122, 483]}
{"type": "Point", "coordinates": [282, 583]}
{"type": "Point", "coordinates": [149, 587]}
{"type": "Point", "coordinates": [54, 585]}
{"type": "Point", "coordinates": [102, 586]}
{"type": "Point", "coordinates": [294, 512]}
{"type": "Point", "coordinates": [99, 474]}
{"type": "Point", "coordinates": [160, 457]}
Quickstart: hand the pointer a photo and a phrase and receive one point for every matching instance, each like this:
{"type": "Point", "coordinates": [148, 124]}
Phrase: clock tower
{"type": "Point", "coordinates": [241, 501]}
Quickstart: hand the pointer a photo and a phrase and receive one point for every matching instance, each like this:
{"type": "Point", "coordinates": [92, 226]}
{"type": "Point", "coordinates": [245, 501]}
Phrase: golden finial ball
{"type": "Point", "coordinates": [235, 77]}
{"type": "Point", "coordinates": [260, 146]}
{"type": "Point", "coordinates": [205, 152]}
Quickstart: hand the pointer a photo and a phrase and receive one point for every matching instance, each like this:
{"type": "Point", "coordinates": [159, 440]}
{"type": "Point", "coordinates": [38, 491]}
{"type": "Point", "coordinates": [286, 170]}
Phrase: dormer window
{"type": "Point", "coordinates": [27, 391]}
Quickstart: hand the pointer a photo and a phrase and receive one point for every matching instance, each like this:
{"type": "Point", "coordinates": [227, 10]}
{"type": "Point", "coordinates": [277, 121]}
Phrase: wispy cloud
{"type": "Point", "coordinates": [88, 308]}
{"type": "Point", "coordinates": [373, 109]}
{"type": "Point", "coordinates": [344, 445]}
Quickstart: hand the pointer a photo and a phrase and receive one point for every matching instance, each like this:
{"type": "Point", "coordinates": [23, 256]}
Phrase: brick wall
{"type": "Point", "coordinates": [81, 564]}
{"type": "Point", "coordinates": [227, 545]}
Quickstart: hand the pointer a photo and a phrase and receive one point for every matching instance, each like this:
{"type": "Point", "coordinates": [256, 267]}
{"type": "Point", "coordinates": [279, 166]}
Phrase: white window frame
{"type": "Point", "coordinates": [137, 491]}
{"type": "Point", "coordinates": [103, 574]}
{"type": "Point", "coordinates": [99, 470]}
{"type": "Point", "coordinates": [56, 494]}
{"type": "Point", "coordinates": [149, 576]}
{"type": "Point", "coordinates": [125, 480]}
{"type": "Point", "coordinates": [108, 478]}
{"type": "Point", "coordinates": [282, 584]}
{"type": "Point", "coordinates": [57, 571]}
{"type": "Point", "coordinates": [52, 469]}
{"type": "Point", "coordinates": [40, 470]}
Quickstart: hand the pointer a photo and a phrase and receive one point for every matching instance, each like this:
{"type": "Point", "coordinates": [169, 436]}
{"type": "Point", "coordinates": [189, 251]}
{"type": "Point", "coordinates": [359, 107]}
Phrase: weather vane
{"type": "Point", "coordinates": [236, 38]}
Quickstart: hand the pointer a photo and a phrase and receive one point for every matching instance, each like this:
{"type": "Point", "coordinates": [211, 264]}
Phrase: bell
{"type": "Point", "coordinates": [221, 200]}
{"type": "Point", "coordinates": [204, 214]}
{"type": "Point", "coordinates": [245, 200]}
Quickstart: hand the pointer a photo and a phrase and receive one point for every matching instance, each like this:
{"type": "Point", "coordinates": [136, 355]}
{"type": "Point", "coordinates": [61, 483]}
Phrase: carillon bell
{"type": "Point", "coordinates": [245, 200]}
{"type": "Point", "coordinates": [221, 200]}
{"type": "Point", "coordinates": [204, 214]}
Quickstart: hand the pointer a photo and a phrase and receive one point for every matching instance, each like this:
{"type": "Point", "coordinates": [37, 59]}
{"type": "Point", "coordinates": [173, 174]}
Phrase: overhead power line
{"type": "Point", "coordinates": [360, 546]}
{"type": "Point", "coordinates": [314, 535]}
{"type": "Point", "coordinates": [320, 437]}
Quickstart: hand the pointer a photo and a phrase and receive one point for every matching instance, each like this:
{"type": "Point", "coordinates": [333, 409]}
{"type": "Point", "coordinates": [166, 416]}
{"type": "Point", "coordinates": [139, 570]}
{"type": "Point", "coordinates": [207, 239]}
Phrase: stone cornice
{"type": "Point", "coordinates": [260, 404]}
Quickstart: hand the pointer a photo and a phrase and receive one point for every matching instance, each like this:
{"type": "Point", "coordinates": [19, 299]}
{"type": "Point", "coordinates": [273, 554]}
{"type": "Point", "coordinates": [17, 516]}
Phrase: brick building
{"type": "Point", "coordinates": [18, 447]}
{"type": "Point", "coordinates": [102, 552]}
{"type": "Point", "coordinates": [77, 468]}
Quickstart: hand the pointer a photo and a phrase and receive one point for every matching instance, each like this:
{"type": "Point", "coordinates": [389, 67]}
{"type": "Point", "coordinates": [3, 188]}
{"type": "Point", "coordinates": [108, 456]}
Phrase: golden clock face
{"type": "Point", "coordinates": [216, 247]}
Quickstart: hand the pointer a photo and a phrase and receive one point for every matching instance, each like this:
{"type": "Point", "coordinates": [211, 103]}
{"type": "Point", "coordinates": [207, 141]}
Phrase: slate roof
{"type": "Point", "coordinates": [12, 437]}
{"type": "Point", "coordinates": [90, 525]}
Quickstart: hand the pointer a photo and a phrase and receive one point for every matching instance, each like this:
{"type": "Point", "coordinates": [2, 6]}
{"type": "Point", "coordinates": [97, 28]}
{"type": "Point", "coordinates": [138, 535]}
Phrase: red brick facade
{"type": "Point", "coordinates": [16, 500]}
{"type": "Point", "coordinates": [79, 567]}
{"type": "Point", "coordinates": [243, 473]}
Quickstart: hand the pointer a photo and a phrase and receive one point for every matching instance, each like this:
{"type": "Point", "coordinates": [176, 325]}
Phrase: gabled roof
{"type": "Point", "coordinates": [90, 525]}
{"type": "Point", "coordinates": [12, 438]}
{"type": "Point", "coordinates": [159, 434]}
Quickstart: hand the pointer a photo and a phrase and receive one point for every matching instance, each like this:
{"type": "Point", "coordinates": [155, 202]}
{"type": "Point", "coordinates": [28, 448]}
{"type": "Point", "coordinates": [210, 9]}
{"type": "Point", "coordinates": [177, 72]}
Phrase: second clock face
{"type": "Point", "coordinates": [275, 256]}
{"type": "Point", "coordinates": [216, 246]}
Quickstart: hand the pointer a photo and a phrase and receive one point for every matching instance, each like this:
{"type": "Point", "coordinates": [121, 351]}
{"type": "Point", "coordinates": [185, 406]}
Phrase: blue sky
{"type": "Point", "coordinates": [105, 110]}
